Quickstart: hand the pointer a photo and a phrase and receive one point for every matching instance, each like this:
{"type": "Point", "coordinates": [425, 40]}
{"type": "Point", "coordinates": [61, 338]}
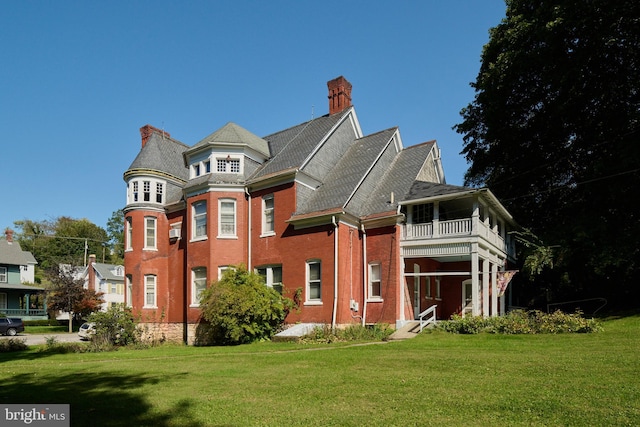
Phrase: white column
{"type": "Point", "coordinates": [485, 288]}
{"type": "Point", "coordinates": [494, 289]}
{"type": "Point", "coordinates": [475, 279]}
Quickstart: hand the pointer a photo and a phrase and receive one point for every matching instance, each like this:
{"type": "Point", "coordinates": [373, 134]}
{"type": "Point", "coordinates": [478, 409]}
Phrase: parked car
{"type": "Point", "coordinates": [87, 330]}
{"type": "Point", "coordinates": [11, 326]}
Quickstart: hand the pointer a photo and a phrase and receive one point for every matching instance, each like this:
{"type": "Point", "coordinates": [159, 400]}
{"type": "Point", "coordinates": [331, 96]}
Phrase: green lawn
{"type": "Point", "coordinates": [436, 379]}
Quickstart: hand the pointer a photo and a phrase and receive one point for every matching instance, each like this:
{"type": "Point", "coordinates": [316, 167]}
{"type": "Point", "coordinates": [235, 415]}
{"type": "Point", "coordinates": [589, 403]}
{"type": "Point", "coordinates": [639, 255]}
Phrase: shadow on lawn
{"type": "Point", "coordinates": [96, 399]}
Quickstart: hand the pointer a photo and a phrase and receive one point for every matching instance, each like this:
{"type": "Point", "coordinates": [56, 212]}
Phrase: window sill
{"type": "Point", "coordinates": [312, 303]}
{"type": "Point", "coordinates": [228, 237]}
{"type": "Point", "coordinates": [149, 307]}
{"type": "Point", "coordinates": [194, 305]}
{"type": "Point", "coordinates": [198, 239]}
{"type": "Point", "coordinates": [150, 249]}
{"type": "Point", "coordinates": [374, 300]}
{"type": "Point", "coordinates": [269, 234]}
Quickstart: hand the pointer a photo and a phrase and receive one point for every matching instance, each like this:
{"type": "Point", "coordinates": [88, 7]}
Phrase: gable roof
{"type": "Point", "coordinates": [346, 176]}
{"type": "Point", "coordinates": [106, 271]}
{"type": "Point", "coordinates": [12, 254]}
{"type": "Point", "coordinates": [291, 147]}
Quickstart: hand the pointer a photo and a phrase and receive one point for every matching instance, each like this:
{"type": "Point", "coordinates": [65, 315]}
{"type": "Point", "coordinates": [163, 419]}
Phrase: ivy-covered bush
{"type": "Point", "coordinates": [240, 308]}
{"type": "Point", "coordinates": [521, 322]}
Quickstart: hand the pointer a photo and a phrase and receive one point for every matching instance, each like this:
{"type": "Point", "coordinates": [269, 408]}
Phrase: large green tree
{"type": "Point", "coordinates": [115, 231]}
{"type": "Point", "coordinates": [554, 131]}
{"type": "Point", "coordinates": [63, 240]}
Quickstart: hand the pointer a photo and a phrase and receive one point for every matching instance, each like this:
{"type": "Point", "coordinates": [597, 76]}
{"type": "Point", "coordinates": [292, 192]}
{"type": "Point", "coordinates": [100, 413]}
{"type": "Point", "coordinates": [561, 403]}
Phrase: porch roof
{"type": "Point", "coordinates": [20, 287]}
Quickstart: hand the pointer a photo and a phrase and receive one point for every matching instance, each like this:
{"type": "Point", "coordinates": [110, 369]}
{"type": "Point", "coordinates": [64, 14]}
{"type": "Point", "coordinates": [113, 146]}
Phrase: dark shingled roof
{"type": "Point", "coordinates": [162, 154]}
{"type": "Point", "coordinates": [290, 147]}
{"type": "Point", "coordinates": [345, 176]}
{"type": "Point", "coordinates": [233, 134]}
{"type": "Point", "coordinates": [398, 179]}
{"type": "Point", "coordinates": [424, 189]}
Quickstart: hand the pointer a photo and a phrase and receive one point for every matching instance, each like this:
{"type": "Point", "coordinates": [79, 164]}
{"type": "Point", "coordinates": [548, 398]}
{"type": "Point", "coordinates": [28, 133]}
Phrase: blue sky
{"type": "Point", "coordinates": [79, 78]}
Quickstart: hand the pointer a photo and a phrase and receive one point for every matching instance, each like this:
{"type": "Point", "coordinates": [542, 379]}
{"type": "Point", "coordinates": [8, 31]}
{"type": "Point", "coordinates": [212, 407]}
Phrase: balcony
{"type": "Point", "coordinates": [442, 231]}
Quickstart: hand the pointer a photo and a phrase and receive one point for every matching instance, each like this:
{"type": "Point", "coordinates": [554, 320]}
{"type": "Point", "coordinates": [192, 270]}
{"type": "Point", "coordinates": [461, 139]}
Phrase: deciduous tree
{"type": "Point", "coordinates": [554, 132]}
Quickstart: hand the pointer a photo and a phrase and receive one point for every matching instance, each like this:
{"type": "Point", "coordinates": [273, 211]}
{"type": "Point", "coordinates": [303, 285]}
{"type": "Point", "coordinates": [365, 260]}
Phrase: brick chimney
{"type": "Point", "coordinates": [91, 273]}
{"type": "Point", "coordinates": [339, 94]}
{"type": "Point", "coordinates": [8, 234]}
{"type": "Point", "coordinates": [147, 130]}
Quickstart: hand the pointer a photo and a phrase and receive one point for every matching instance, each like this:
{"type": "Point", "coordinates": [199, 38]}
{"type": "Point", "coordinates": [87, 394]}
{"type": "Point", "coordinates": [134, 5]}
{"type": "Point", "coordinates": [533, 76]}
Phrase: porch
{"type": "Point", "coordinates": [25, 314]}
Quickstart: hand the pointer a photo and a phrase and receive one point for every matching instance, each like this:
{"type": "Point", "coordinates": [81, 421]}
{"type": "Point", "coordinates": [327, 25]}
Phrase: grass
{"type": "Point", "coordinates": [31, 329]}
{"type": "Point", "coordinates": [433, 379]}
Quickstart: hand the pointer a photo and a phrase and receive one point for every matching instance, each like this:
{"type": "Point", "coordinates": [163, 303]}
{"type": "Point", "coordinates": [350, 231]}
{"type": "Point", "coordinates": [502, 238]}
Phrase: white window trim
{"type": "Point", "coordinates": [309, 301]}
{"type": "Point", "coordinates": [128, 225]}
{"type": "Point", "coordinates": [265, 232]}
{"type": "Point", "coordinates": [128, 290]}
{"type": "Point", "coordinates": [4, 272]}
{"type": "Point", "coordinates": [195, 302]}
{"type": "Point", "coordinates": [227, 158]}
{"type": "Point", "coordinates": [370, 296]}
{"type": "Point", "coordinates": [155, 234]}
{"type": "Point", "coordinates": [136, 190]}
{"type": "Point", "coordinates": [438, 289]}
{"type": "Point", "coordinates": [155, 291]}
{"type": "Point", "coordinates": [195, 238]}
{"type": "Point", "coordinates": [235, 219]}
{"type": "Point", "coordinates": [269, 275]}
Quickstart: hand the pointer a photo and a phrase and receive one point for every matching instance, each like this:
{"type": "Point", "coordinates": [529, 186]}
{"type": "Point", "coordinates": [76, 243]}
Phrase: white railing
{"type": "Point", "coordinates": [455, 227]}
{"type": "Point", "coordinates": [427, 317]}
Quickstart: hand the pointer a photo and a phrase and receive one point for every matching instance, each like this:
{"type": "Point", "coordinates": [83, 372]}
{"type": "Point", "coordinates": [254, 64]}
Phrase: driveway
{"type": "Point", "coordinates": [33, 339]}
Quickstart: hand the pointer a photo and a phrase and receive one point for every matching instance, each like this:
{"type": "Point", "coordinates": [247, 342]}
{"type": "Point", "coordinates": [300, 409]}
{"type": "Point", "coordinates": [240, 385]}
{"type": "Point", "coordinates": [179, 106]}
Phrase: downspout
{"type": "Point", "coordinates": [249, 267]}
{"type": "Point", "coordinates": [365, 278]}
{"type": "Point", "coordinates": [335, 272]}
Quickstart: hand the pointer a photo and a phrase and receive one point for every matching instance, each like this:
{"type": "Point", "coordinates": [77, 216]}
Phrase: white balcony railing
{"type": "Point", "coordinates": [455, 228]}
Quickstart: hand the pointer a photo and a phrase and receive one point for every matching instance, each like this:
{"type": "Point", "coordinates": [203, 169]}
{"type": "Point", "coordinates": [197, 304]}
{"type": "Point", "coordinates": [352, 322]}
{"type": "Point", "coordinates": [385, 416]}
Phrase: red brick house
{"type": "Point", "coordinates": [365, 229]}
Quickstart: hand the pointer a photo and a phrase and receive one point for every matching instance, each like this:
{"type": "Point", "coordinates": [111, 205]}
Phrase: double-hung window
{"type": "Point", "coordinates": [199, 284]}
{"type": "Point", "coordinates": [200, 220]}
{"type": "Point", "coordinates": [272, 276]}
{"type": "Point", "coordinates": [227, 218]}
{"type": "Point", "coordinates": [146, 190]}
{"type": "Point", "coordinates": [150, 232]}
{"type": "Point", "coordinates": [314, 282]}
{"type": "Point", "coordinates": [150, 291]}
{"type": "Point", "coordinates": [375, 283]}
{"type": "Point", "coordinates": [267, 215]}
{"type": "Point", "coordinates": [135, 191]}
{"type": "Point", "coordinates": [3, 275]}
{"type": "Point", "coordinates": [159, 191]}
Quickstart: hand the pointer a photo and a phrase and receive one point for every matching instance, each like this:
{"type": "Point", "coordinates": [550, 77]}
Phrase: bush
{"type": "Point", "coordinates": [13, 344]}
{"type": "Point", "coordinates": [521, 322]}
{"type": "Point", "coordinates": [114, 327]}
{"type": "Point", "coordinates": [241, 309]}
{"type": "Point", "coordinates": [324, 334]}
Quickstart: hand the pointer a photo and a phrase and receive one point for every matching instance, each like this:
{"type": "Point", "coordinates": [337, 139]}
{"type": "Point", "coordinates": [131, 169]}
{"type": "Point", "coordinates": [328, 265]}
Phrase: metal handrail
{"type": "Point", "coordinates": [432, 318]}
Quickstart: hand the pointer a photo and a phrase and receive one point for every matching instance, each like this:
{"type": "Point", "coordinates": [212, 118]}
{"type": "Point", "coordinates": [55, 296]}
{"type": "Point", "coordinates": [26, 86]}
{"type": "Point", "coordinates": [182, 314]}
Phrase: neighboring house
{"type": "Point", "coordinates": [17, 299]}
{"type": "Point", "coordinates": [105, 278]}
{"type": "Point", "coordinates": [361, 228]}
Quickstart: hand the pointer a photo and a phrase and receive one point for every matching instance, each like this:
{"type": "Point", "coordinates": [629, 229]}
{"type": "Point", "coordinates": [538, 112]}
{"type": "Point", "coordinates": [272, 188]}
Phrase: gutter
{"type": "Point", "coordinates": [365, 279]}
{"type": "Point", "coordinates": [249, 266]}
{"type": "Point", "coordinates": [335, 272]}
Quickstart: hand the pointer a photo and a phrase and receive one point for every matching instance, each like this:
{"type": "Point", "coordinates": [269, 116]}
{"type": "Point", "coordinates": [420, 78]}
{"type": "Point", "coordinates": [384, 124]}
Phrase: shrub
{"type": "Point", "coordinates": [324, 334]}
{"type": "Point", "coordinates": [13, 344]}
{"type": "Point", "coordinates": [115, 326]}
{"type": "Point", "coordinates": [521, 322]}
{"type": "Point", "coordinates": [241, 309]}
